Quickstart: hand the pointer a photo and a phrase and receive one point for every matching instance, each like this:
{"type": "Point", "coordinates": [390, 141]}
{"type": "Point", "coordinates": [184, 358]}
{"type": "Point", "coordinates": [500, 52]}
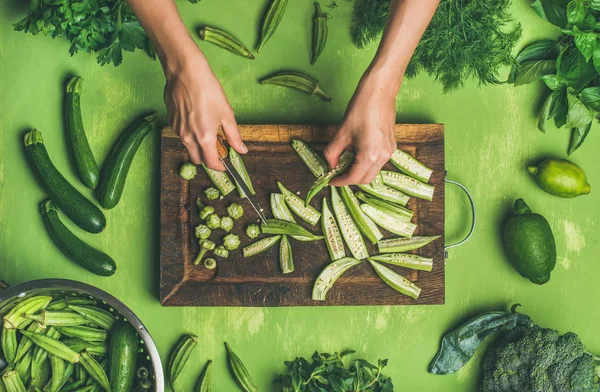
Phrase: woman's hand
{"type": "Point", "coordinates": [197, 107]}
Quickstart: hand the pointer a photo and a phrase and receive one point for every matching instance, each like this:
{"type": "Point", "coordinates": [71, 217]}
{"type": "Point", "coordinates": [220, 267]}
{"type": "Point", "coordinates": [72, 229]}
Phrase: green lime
{"type": "Point", "coordinates": [560, 177]}
{"type": "Point", "coordinates": [530, 244]}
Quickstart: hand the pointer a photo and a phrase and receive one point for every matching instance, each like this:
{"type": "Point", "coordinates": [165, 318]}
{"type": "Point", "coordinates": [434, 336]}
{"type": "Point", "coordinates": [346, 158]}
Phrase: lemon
{"type": "Point", "coordinates": [561, 178]}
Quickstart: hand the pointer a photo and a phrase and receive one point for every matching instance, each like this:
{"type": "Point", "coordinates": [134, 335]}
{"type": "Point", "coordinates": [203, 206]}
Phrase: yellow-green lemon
{"type": "Point", "coordinates": [560, 177]}
{"type": "Point", "coordinates": [530, 244]}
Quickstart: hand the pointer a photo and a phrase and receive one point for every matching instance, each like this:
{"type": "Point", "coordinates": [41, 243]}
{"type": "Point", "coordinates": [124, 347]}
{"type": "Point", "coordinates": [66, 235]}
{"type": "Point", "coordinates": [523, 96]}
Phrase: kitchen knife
{"type": "Point", "coordinates": [223, 155]}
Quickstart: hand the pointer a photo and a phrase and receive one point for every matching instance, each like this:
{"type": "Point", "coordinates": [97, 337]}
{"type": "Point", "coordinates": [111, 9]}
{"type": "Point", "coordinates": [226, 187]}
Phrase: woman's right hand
{"type": "Point", "coordinates": [197, 108]}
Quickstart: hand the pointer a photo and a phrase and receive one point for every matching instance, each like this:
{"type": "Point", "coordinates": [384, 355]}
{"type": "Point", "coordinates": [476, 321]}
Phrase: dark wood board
{"type": "Point", "coordinates": [258, 281]}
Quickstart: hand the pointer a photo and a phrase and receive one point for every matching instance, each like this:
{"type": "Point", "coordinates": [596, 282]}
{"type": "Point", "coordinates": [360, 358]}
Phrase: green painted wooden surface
{"type": "Point", "coordinates": [490, 137]}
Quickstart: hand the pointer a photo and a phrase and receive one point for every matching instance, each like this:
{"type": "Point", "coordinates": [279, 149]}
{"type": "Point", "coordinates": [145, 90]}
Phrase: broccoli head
{"type": "Point", "coordinates": [539, 360]}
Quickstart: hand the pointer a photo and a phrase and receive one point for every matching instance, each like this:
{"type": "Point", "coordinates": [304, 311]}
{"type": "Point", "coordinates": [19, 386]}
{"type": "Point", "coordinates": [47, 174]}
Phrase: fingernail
{"type": "Point", "coordinates": [244, 148]}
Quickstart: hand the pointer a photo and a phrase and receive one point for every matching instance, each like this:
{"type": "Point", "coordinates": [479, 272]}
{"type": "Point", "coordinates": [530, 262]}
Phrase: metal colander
{"type": "Point", "coordinates": [62, 288]}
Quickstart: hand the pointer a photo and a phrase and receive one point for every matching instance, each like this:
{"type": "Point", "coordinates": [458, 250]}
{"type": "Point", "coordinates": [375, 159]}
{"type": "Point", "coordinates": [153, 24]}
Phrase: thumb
{"type": "Point", "coordinates": [335, 148]}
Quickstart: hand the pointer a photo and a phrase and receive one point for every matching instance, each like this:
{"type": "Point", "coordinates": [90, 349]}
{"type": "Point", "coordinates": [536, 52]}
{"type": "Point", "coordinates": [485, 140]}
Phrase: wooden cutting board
{"type": "Point", "coordinates": [258, 281]}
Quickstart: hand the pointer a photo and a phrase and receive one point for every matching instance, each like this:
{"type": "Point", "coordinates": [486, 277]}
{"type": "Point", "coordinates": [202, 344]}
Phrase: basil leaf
{"type": "Point", "coordinates": [585, 42]}
{"type": "Point", "coordinates": [546, 113]}
{"type": "Point", "coordinates": [545, 49]}
{"type": "Point", "coordinates": [596, 59]}
{"type": "Point", "coordinates": [575, 11]}
{"type": "Point", "coordinates": [594, 4]}
{"type": "Point", "coordinates": [574, 69]}
{"type": "Point", "coordinates": [530, 71]}
{"type": "Point", "coordinates": [579, 114]}
{"type": "Point", "coordinates": [562, 108]}
{"type": "Point", "coordinates": [589, 22]}
{"type": "Point", "coordinates": [553, 82]}
{"type": "Point", "coordinates": [591, 97]}
{"type": "Point", "coordinates": [551, 10]}
{"type": "Point", "coordinates": [388, 386]}
{"type": "Point", "coordinates": [578, 136]}
{"type": "Point", "coordinates": [336, 383]}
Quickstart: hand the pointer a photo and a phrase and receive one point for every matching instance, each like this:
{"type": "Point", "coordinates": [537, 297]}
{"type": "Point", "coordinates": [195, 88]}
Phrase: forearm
{"type": "Point", "coordinates": [405, 26]}
{"type": "Point", "coordinates": [168, 34]}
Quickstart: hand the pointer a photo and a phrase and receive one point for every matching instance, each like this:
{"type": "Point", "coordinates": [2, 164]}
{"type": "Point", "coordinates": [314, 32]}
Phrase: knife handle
{"type": "Point", "coordinates": [221, 148]}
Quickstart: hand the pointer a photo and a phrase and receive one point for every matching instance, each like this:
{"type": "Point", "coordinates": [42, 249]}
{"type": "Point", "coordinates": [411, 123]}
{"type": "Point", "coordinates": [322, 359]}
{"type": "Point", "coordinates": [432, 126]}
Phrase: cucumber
{"type": "Point", "coordinates": [79, 148]}
{"type": "Point", "coordinates": [79, 209]}
{"type": "Point", "coordinates": [123, 354]}
{"type": "Point", "coordinates": [75, 249]}
{"type": "Point", "coordinates": [114, 171]}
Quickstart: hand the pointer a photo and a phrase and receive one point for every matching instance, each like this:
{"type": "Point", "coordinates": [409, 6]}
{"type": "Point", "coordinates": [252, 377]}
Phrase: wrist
{"type": "Point", "coordinates": [181, 59]}
{"type": "Point", "coordinates": [384, 77]}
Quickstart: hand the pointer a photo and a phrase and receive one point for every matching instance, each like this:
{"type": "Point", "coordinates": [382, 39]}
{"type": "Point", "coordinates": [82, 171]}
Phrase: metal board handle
{"type": "Point", "coordinates": [473, 220]}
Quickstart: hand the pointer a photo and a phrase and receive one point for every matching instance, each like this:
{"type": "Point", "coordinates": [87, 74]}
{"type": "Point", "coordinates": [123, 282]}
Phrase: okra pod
{"type": "Point", "coordinates": [399, 212]}
{"type": "Point", "coordinates": [238, 164]}
{"type": "Point", "coordinates": [330, 275]}
{"type": "Point", "coordinates": [260, 246]}
{"type": "Point", "coordinates": [408, 185]}
{"type": "Point", "coordinates": [64, 303]}
{"type": "Point", "coordinates": [79, 373]}
{"type": "Point", "coordinates": [9, 344]}
{"type": "Point", "coordinates": [396, 245]}
{"type": "Point", "coordinates": [94, 348]}
{"type": "Point", "coordinates": [396, 281]}
{"type": "Point", "coordinates": [282, 212]}
{"type": "Point", "coordinates": [224, 40]}
{"type": "Point", "coordinates": [86, 333]}
{"type": "Point", "coordinates": [60, 319]}
{"type": "Point", "coordinates": [276, 226]}
{"type": "Point", "coordinates": [42, 381]}
{"type": "Point", "coordinates": [103, 318]}
{"type": "Point", "coordinates": [72, 386]}
{"type": "Point", "coordinates": [95, 370]}
{"type": "Point", "coordinates": [220, 180]}
{"type": "Point", "coordinates": [13, 382]}
{"type": "Point", "coordinates": [407, 164]}
{"type": "Point", "coordinates": [179, 358]}
{"type": "Point", "coordinates": [311, 159]}
{"type": "Point", "coordinates": [23, 367]}
{"type": "Point", "coordinates": [16, 317]}
{"type": "Point", "coordinates": [362, 221]}
{"type": "Point", "coordinates": [345, 160]}
{"type": "Point", "coordinates": [386, 193]}
{"type": "Point", "coordinates": [286, 261]}
{"type": "Point", "coordinates": [40, 354]}
{"type": "Point", "coordinates": [349, 231]}
{"type": "Point", "coordinates": [87, 388]}
{"type": "Point", "coordinates": [271, 21]}
{"type": "Point", "coordinates": [58, 373]}
{"type": "Point", "coordinates": [26, 344]}
{"type": "Point", "coordinates": [298, 81]}
{"type": "Point", "coordinates": [307, 213]}
{"type": "Point", "coordinates": [331, 232]}
{"type": "Point", "coordinates": [239, 372]}
{"type": "Point", "coordinates": [406, 260]}
{"type": "Point", "coordinates": [205, 382]}
{"type": "Point", "coordinates": [319, 33]}
{"type": "Point", "coordinates": [388, 222]}
{"type": "Point", "coordinates": [377, 181]}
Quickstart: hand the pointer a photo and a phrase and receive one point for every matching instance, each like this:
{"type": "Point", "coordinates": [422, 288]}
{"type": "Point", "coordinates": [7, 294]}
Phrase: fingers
{"type": "Point", "coordinates": [233, 136]}
{"type": "Point", "coordinates": [335, 148]}
{"type": "Point", "coordinates": [210, 154]}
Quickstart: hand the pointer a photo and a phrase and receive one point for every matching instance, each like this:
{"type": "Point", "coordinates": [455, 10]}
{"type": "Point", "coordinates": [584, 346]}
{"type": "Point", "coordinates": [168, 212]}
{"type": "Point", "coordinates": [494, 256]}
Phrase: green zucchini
{"type": "Point", "coordinates": [408, 185]}
{"type": "Point", "coordinates": [75, 249]}
{"type": "Point", "coordinates": [79, 148]}
{"type": "Point", "coordinates": [349, 231]}
{"type": "Point", "coordinates": [124, 346]}
{"type": "Point", "coordinates": [115, 169]}
{"type": "Point", "coordinates": [79, 209]}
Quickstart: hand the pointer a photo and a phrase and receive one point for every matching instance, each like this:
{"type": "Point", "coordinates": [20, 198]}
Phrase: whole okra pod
{"type": "Point", "coordinates": [224, 40]}
{"type": "Point", "coordinates": [271, 22]}
{"type": "Point", "coordinates": [179, 358]}
{"type": "Point", "coordinates": [52, 346]}
{"type": "Point", "coordinates": [239, 371]}
{"type": "Point", "coordinates": [319, 33]}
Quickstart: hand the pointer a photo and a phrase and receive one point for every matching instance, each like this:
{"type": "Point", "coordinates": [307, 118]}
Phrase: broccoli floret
{"type": "Point", "coordinates": [253, 230]}
{"type": "Point", "coordinates": [538, 360]}
{"type": "Point", "coordinates": [235, 210]}
{"type": "Point", "coordinates": [212, 193]}
{"type": "Point", "coordinates": [202, 232]}
{"type": "Point", "coordinates": [226, 223]}
{"type": "Point", "coordinates": [231, 242]}
{"type": "Point", "coordinates": [188, 171]}
{"type": "Point", "coordinates": [213, 221]}
{"type": "Point", "coordinates": [221, 251]}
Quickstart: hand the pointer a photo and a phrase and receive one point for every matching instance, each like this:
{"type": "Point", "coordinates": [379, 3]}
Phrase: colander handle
{"type": "Point", "coordinates": [473, 220]}
{"type": "Point", "coordinates": [3, 285]}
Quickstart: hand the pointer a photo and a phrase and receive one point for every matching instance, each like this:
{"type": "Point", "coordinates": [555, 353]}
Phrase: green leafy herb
{"type": "Point", "coordinates": [328, 373]}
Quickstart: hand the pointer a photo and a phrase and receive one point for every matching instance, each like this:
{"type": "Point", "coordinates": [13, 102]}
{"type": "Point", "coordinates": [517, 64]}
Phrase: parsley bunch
{"type": "Point", "coordinates": [465, 39]}
{"type": "Point", "coordinates": [327, 373]}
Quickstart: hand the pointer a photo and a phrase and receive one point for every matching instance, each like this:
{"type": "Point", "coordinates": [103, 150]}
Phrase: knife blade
{"type": "Point", "coordinates": [223, 156]}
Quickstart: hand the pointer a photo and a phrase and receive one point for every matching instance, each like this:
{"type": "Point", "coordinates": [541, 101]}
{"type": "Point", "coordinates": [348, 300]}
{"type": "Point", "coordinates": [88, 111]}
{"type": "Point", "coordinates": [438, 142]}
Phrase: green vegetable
{"type": "Point", "coordinates": [395, 210]}
{"type": "Point", "coordinates": [124, 347]}
{"type": "Point", "coordinates": [39, 355]}
{"type": "Point", "coordinates": [359, 375]}
{"type": "Point", "coordinates": [561, 178]}
{"type": "Point", "coordinates": [79, 147]}
{"type": "Point", "coordinates": [239, 372]}
{"type": "Point", "coordinates": [213, 221]}
{"type": "Point", "coordinates": [405, 260]}
{"type": "Point", "coordinates": [389, 222]}
{"type": "Point", "coordinates": [286, 261]}
{"type": "Point", "coordinates": [85, 333]}
{"type": "Point", "coordinates": [9, 344]}
{"type": "Point", "coordinates": [297, 80]}
{"type": "Point", "coordinates": [23, 368]}
{"type": "Point", "coordinates": [529, 244]}
{"type": "Point", "coordinates": [210, 263]}
{"type": "Point", "coordinates": [86, 256]}
{"type": "Point", "coordinates": [392, 245]}
{"type": "Point", "coordinates": [47, 318]}
{"type": "Point", "coordinates": [62, 304]}
{"type": "Point", "coordinates": [331, 231]}
{"type": "Point", "coordinates": [117, 164]}
{"type": "Point", "coordinates": [330, 275]}
{"type": "Point", "coordinates": [231, 241]}
{"type": "Point", "coordinates": [377, 181]}
{"type": "Point", "coordinates": [12, 382]}
{"type": "Point", "coordinates": [53, 347]}
{"type": "Point", "coordinates": [386, 193]}
{"type": "Point", "coordinates": [349, 231]}
{"type": "Point", "coordinates": [15, 318]}
{"type": "Point", "coordinates": [179, 357]}
{"type": "Point", "coordinates": [235, 210]}
{"type": "Point", "coordinates": [260, 246]}
{"type": "Point", "coordinates": [238, 164]}
{"type": "Point", "coordinates": [306, 212]}
{"type": "Point", "coordinates": [49, 373]}
{"type": "Point", "coordinates": [408, 185]}
{"type": "Point", "coordinates": [224, 40]}
{"type": "Point", "coordinates": [221, 251]}
{"type": "Point", "coordinates": [212, 193]}
{"type": "Point", "coordinates": [202, 232]}
{"type": "Point", "coordinates": [227, 223]}
{"type": "Point", "coordinates": [362, 221]}
{"type": "Point", "coordinates": [79, 209]}
{"type": "Point", "coordinates": [206, 211]}
{"type": "Point", "coordinates": [311, 159]}
{"type": "Point", "coordinates": [94, 348]}
{"type": "Point", "coordinates": [319, 33]}
{"type": "Point", "coordinates": [407, 164]}
{"type": "Point", "coordinates": [24, 345]}
{"type": "Point", "coordinates": [271, 21]}
{"type": "Point", "coordinates": [395, 280]}
{"type": "Point", "coordinates": [220, 180]}
{"type": "Point", "coordinates": [346, 159]}
{"type": "Point", "coordinates": [275, 226]}
{"type": "Point", "coordinates": [188, 171]}
{"type": "Point", "coordinates": [97, 373]}
{"type": "Point", "coordinates": [205, 246]}
{"type": "Point", "coordinates": [103, 318]}
{"type": "Point", "coordinates": [282, 212]}
{"type": "Point", "coordinates": [481, 29]}
{"type": "Point", "coordinates": [205, 381]}
{"type": "Point", "coordinates": [252, 231]}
